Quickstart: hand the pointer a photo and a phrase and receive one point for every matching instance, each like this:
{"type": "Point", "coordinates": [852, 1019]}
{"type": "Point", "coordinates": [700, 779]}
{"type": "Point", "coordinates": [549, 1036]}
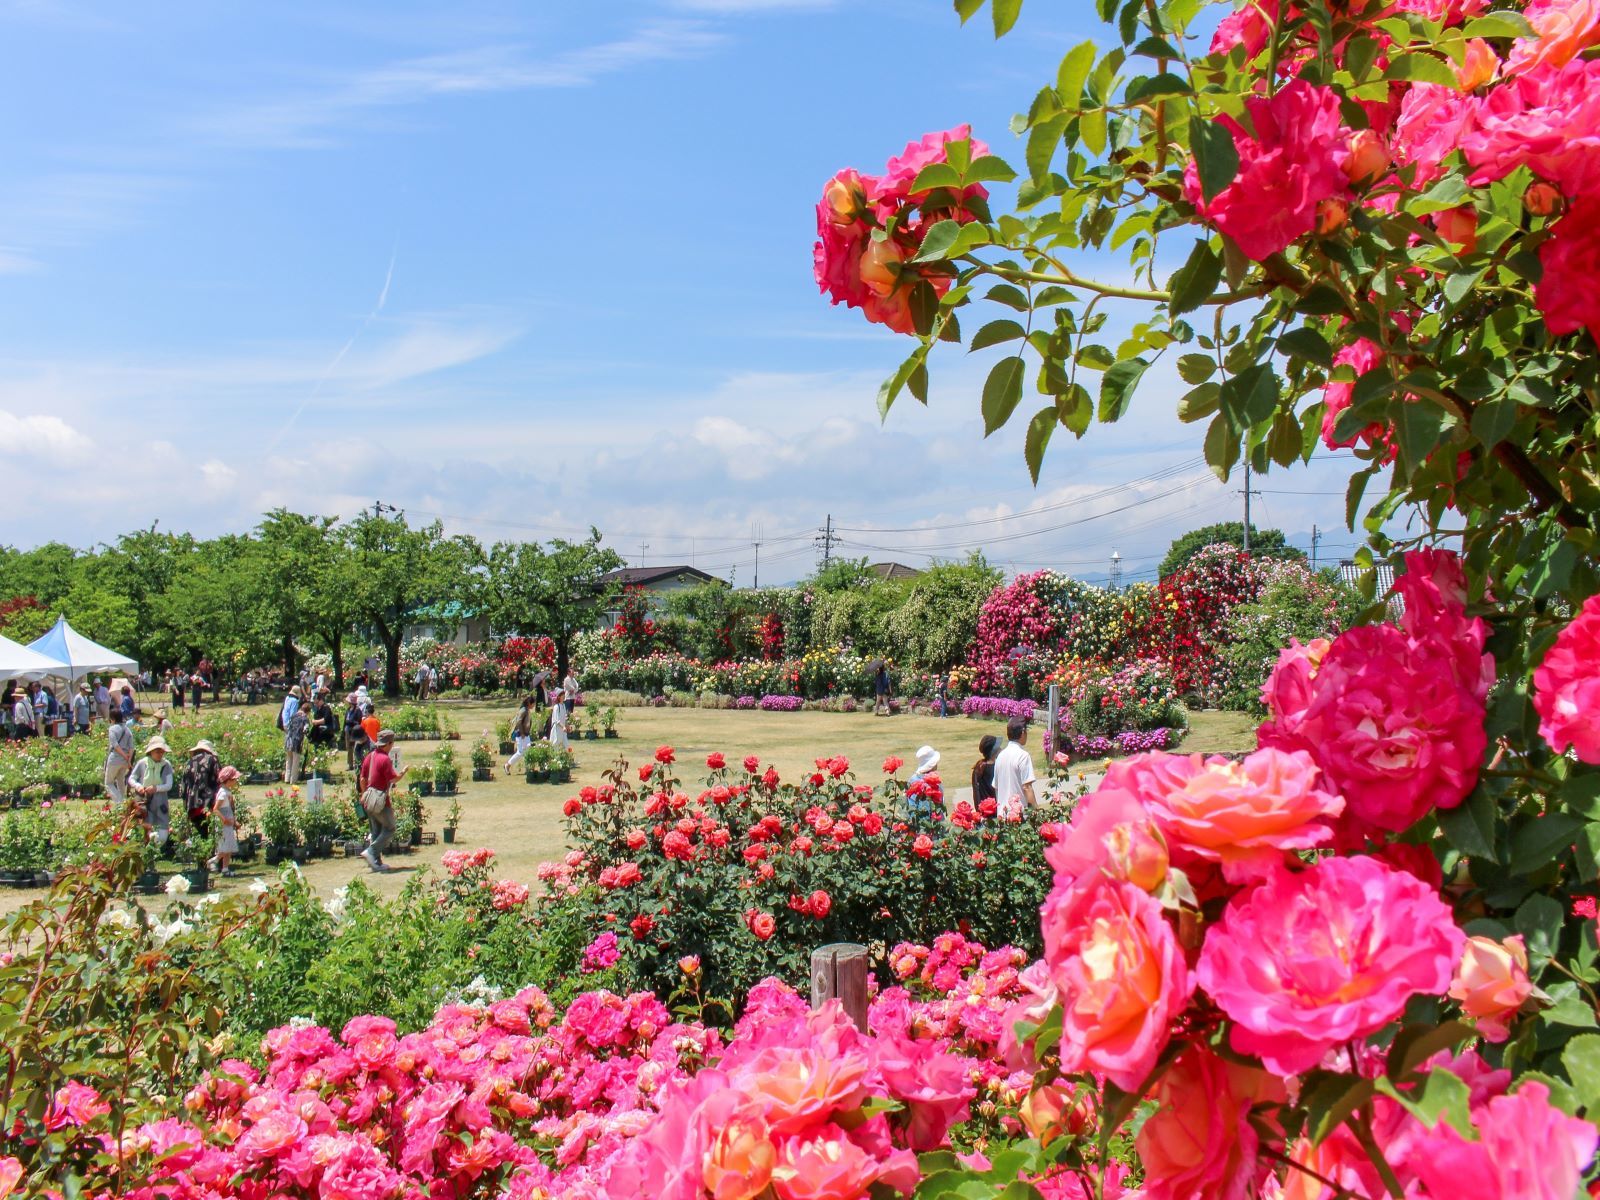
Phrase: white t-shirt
{"type": "Point", "coordinates": [1013, 767]}
{"type": "Point", "coordinates": [569, 687]}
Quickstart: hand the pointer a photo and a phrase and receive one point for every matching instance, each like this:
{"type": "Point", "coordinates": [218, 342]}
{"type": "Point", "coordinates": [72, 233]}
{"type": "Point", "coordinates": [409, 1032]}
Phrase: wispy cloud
{"type": "Point", "coordinates": [310, 120]}
{"type": "Point", "coordinates": [70, 209]}
{"type": "Point", "coordinates": [747, 7]}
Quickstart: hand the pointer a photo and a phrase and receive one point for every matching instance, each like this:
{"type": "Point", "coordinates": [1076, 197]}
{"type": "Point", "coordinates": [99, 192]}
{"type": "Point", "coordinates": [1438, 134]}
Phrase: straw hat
{"type": "Point", "coordinates": [202, 744]}
{"type": "Point", "coordinates": [155, 744]}
{"type": "Point", "coordinates": [927, 760]}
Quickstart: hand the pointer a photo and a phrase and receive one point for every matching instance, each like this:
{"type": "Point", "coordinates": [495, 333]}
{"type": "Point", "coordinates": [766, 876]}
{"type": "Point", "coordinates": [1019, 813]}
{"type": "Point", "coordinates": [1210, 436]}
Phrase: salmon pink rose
{"type": "Point", "coordinates": [1526, 1149]}
{"type": "Point", "coordinates": [1111, 833]}
{"type": "Point", "coordinates": [1305, 962]}
{"type": "Point", "coordinates": [1199, 1143]}
{"type": "Point", "coordinates": [10, 1176]}
{"type": "Point", "coordinates": [275, 1133]}
{"type": "Point", "coordinates": [825, 1165]}
{"type": "Point", "coordinates": [1121, 977]}
{"type": "Point", "coordinates": [1244, 815]}
{"type": "Point", "coordinates": [1491, 983]}
{"type": "Point", "coordinates": [1566, 687]}
{"type": "Point", "coordinates": [1294, 160]}
{"type": "Point", "coordinates": [893, 188]}
{"type": "Point", "coordinates": [1547, 120]}
{"type": "Point", "coordinates": [739, 1161]}
{"type": "Point", "coordinates": [1563, 29]}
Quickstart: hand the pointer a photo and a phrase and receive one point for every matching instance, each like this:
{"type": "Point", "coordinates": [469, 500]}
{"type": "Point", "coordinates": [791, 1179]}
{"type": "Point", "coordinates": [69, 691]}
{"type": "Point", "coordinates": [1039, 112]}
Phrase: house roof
{"type": "Point", "coordinates": [893, 570]}
{"type": "Point", "coordinates": [645, 576]}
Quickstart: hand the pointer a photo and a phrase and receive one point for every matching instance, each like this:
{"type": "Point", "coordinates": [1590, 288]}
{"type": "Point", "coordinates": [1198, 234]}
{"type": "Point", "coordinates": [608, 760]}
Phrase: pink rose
{"type": "Point", "coordinates": [1491, 983]}
{"type": "Point", "coordinates": [1526, 1150]}
{"type": "Point", "coordinates": [1564, 29]}
{"type": "Point", "coordinates": [1306, 962]}
{"type": "Point", "coordinates": [1121, 977]}
{"type": "Point", "coordinates": [275, 1133]}
{"type": "Point", "coordinates": [1294, 160]}
{"type": "Point", "coordinates": [1199, 1142]}
{"type": "Point", "coordinates": [1111, 833]}
{"type": "Point", "coordinates": [1433, 119]}
{"type": "Point", "coordinates": [1566, 686]}
{"type": "Point", "coordinates": [74, 1104]}
{"type": "Point", "coordinates": [1361, 356]}
{"type": "Point", "coordinates": [1548, 120]}
{"type": "Point", "coordinates": [1244, 815]}
{"type": "Point", "coordinates": [1565, 292]}
{"type": "Point", "coordinates": [934, 1086]}
{"type": "Point", "coordinates": [825, 1165]}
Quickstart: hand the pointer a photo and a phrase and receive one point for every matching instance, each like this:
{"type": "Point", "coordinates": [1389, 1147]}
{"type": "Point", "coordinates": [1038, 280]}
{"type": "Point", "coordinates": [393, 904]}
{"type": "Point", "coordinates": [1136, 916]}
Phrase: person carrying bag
{"type": "Point", "coordinates": [377, 779]}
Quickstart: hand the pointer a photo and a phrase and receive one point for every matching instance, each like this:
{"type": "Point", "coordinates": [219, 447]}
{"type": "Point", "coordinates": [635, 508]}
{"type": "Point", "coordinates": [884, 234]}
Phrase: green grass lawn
{"type": "Point", "coordinates": [523, 824]}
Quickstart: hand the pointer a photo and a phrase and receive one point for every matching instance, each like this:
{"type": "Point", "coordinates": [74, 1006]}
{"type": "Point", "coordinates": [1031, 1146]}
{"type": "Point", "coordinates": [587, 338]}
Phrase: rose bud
{"type": "Point", "coordinates": [1368, 158]}
{"type": "Point", "coordinates": [1332, 214]}
{"type": "Point", "coordinates": [1542, 199]}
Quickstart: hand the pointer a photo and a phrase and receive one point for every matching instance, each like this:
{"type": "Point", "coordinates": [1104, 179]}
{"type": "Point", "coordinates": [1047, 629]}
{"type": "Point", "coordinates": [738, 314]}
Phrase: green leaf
{"type": "Point", "coordinates": [1005, 15]}
{"type": "Point", "coordinates": [1076, 409]}
{"type": "Point", "coordinates": [1440, 1094]}
{"type": "Point", "coordinates": [1001, 393]}
{"type": "Point", "coordinates": [1581, 1059]}
{"type": "Point", "coordinates": [1420, 424]}
{"type": "Point", "coordinates": [1039, 431]}
{"type": "Point", "coordinates": [1117, 387]}
{"type": "Point", "coordinates": [1199, 403]}
{"type": "Point", "coordinates": [1416, 1044]}
{"type": "Point", "coordinates": [1196, 368]}
{"type": "Point", "coordinates": [893, 385]}
{"type": "Point", "coordinates": [966, 9]}
{"type": "Point", "coordinates": [1092, 129]}
{"type": "Point", "coordinates": [995, 332]}
{"type": "Point", "coordinates": [1539, 921]}
{"type": "Point", "coordinates": [1307, 344]}
{"type": "Point", "coordinates": [1493, 420]}
{"type": "Point", "coordinates": [1421, 68]}
{"type": "Point", "coordinates": [1552, 570]}
{"type": "Point", "coordinates": [1542, 840]}
{"type": "Point", "coordinates": [1164, 84]}
{"type": "Point", "coordinates": [1194, 282]}
{"type": "Point", "coordinates": [938, 241]}
{"type": "Point", "coordinates": [1222, 446]}
{"type": "Point", "coordinates": [1009, 295]}
{"type": "Point", "coordinates": [1499, 25]}
{"type": "Point", "coordinates": [1043, 139]}
{"type": "Point", "coordinates": [1251, 396]}
{"type": "Point", "coordinates": [1096, 357]}
{"type": "Point", "coordinates": [1329, 1098]}
{"type": "Point", "coordinates": [1074, 72]}
{"type": "Point", "coordinates": [1215, 156]}
{"type": "Point", "coordinates": [936, 175]}
{"type": "Point", "coordinates": [1470, 827]}
{"type": "Point", "coordinates": [989, 169]}
{"type": "Point", "coordinates": [1449, 192]}
{"type": "Point", "coordinates": [924, 304]}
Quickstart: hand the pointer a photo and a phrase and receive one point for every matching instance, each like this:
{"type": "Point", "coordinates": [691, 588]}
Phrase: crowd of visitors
{"type": "Point", "coordinates": [549, 707]}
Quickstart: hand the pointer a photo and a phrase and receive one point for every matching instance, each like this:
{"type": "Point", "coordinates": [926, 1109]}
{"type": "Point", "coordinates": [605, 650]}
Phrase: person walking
{"type": "Point", "coordinates": [558, 725]}
{"type": "Point", "coordinates": [102, 700]}
{"type": "Point", "coordinates": [569, 691]}
{"type": "Point", "coordinates": [1013, 772]}
{"type": "Point", "coordinates": [151, 781]}
{"type": "Point", "coordinates": [128, 708]}
{"type": "Point", "coordinates": [119, 758]}
{"type": "Point", "coordinates": [521, 732]}
{"type": "Point", "coordinates": [880, 690]}
{"type": "Point", "coordinates": [355, 738]}
{"type": "Point", "coordinates": [22, 725]}
{"type": "Point", "coordinates": [377, 779]}
{"type": "Point", "coordinates": [983, 770]}
{"type": "Point", "coordinates": [201, 779]}
{"type": "Point", "coordinates": [201, 680]}
{"type": "Point", "coordinates": [175, 688]}
{"type": "Point", "coordinates": [227, 822]}
{"type": "Point", "coordinates": [294, 744]}
{"type": "Point", "coordinates": [942, 694]}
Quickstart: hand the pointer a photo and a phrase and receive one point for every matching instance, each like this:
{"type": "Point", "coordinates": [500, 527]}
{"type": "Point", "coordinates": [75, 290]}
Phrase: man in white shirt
{"type": "Point", "coordinates": [1013, 772]}
{"type": "Point", "coordinates": [82, 707]}
{"type": "Point", "coordinates": [102, 699]}
{"type": "Point", "coordinates": [569, 691]}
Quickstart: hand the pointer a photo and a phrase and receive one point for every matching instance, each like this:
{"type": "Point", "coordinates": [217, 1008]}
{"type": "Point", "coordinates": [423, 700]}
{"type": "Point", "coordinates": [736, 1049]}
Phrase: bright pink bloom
{"type": "Point", "coordinates": [1566, 686]}
{"type": "Point", "coordinates": [1527, 1149]}
{"type": "Point", "coordinates": [1565, 28]}
{"type": "Point", "coordinates": [1199, 1143]}
{"type": "Point", "coordinates": [1121, 977]}
{"type": "Point", "coordinates": [1565, 292]}
{"type": "Point", "coordinates": [1549, 120]}
{"type": "Point", "coordinates": [1305, 962]}
{"type": "Point", "coordinates": [1244, 815]}
{"type": "Point", "coordinates": [1249, 26]}
{"type": "Point", "coordinates": [1294, 161]}
{"type": "Point", "coordinates": [1361, 356]}
{"type": "Point", "coordinates": [74, 1104]}
{"type": "Point", "coordinates": [1433, 119]}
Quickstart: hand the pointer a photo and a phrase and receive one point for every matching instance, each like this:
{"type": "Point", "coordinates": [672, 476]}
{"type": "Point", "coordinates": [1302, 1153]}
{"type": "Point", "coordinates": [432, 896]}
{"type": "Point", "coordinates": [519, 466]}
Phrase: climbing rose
{"type": "Point", "coordinates": [1565, 293]}
{"type": "Point", "coordinates": [1305, 962]}
{"type": "Point", "coordinates": [1526, 1150]}
{"type": "Point", "coordinates": [1361, 356]}
{"type": "Point", "coordinates": [1199, 1141]}
{"type": "Point", "coordinates": [1294, 161]}
{"type": "Point", "coordinates": [1566, 686]}
{"type": "Point", "coordinates": [1121, 977]}
{"type": "Point", "coordinates": [1565, 28]}
{"type": "Point", "coordinates": [1244, 815]}
{"type": "Point", "coordinates": [1547, 120]}
{"type": "Point", "coordinates": [1492, 982]}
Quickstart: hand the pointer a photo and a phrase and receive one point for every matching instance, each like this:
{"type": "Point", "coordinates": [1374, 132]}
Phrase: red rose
{"type": "Point", "coordinates": [821, 903]}
{"type": "Point", "coordinates": [715, 761]}
{"type": "Point", "coordinates": [635, 839]}
{"type": "Point", "coordinates": [872, 824]}
{"type": "Point", "coordinates": [572, 807]}
{"type": "Point", "coordinates": [752, 764]}
{"type": "Point", "coordinates": [923, 846]}
{"type": "Point", "coordinates": [641, 926]}
{"type": "Point", "coordinates": [676, 845]}
{"type": "Point", "coordinates": [771, 777]}
{"type": "Point", "coordinates": [644, 772]}
{"type": "Point", "coordinates": [763, 925]}
{"type": "Point", "coordinates": [892, 764]}
{"type": "Point", "coordinates": [665, 755]}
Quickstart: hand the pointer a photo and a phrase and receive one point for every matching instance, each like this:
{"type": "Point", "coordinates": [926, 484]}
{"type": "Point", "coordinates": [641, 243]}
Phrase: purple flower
{"type": "Point", "coordinates": [781, 703]}
{"type": "Point", "coordinates": [997, 706]}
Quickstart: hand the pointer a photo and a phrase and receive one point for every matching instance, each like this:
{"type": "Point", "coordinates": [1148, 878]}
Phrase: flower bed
{"type": "Point", "coordinates": [781, 703]}
{"type": "Point", "coordinates": [990, 708]}
{"type": "Point", "coordinates": [1075, 747]}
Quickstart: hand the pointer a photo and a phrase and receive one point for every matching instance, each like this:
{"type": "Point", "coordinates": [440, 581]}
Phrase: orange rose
{"type": "Point", "coordinates": [1368, 158]}
{"type": "Point", "coordinates": [1492, 982]}
{"type": "Point", "coordinates": [880, 267]}
{"type": "Point", "coordinates": [739, 1163]}
{"type": "Point", "coordinates": [1478, 66]}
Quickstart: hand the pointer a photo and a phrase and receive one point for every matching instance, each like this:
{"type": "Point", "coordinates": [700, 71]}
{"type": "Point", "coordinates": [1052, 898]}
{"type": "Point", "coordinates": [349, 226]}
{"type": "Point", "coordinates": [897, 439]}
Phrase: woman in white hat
{"type": "Point", "coordinates": [918, 798]}
{"type": "Point", "coordinates": [151, 781]}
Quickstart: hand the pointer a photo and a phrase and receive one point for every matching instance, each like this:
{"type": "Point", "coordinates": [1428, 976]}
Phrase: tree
{"type": "Point", "coordinates": [555, 591]}
{"type": "Point", "coordinates": [396, 570]}
{"type": "Point", "coordinates": [212, 607]}
{"type": "Point", "coordinates": [1266, 543]}
{"type": "Point", "coordinates": [308, 587]}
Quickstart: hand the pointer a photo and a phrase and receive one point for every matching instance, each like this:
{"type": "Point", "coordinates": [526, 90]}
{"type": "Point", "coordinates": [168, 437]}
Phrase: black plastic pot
{"type": "Point", "coordinates": [482, 774]}
{"type": "Point", "coordinates": [612, 733]}
{"type": "Point", "coordinates": [199, 879]}
{"type": "Point", "coordinates": [508, 748]}
{"type": "Point", "coordinates": [449, 834]}
{"type": "Point", "coordinates": [149, 883]}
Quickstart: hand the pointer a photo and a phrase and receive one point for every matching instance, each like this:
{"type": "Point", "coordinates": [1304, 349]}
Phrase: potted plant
{"type": "Point", "coordinates": [190, 849]}
{"type": "Point", "coordinates": [421, 780]}
{"type": "Point", "coordinates": [13, 852]}
{"type": "Point", "coordinates": [482, 761]}
{"type": "Point", "coordinates": [537, 763]}
{"type": "Point", "coordinates": [279, 825]}
{"type": "Point", "coordinates": [451, 819]}
{"type": "Point", "coordinates": [502, 731]}
{"type": "Point", "coordinates": [409, 821]}
{"type": "Point", "coordinates": [561, 764]}
{"type": "Point", "coordinates": [149, 882]}
{"type": "Point", "coordinates": [608, 721]}
{"type": "Point", "coordinates": [445, 772]}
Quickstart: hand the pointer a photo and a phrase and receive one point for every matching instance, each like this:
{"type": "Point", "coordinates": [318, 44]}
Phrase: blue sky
{"type": "Point", "coordinates": [525, 266]}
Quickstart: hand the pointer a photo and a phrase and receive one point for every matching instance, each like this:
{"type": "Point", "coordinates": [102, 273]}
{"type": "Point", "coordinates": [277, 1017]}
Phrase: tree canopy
{"type": "Point", "coordinates": [1268, 543]}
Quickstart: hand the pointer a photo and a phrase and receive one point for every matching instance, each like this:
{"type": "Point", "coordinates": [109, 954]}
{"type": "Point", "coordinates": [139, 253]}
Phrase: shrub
{"type": "Point", "coordinates": [781, 703]}
{"type": "Point", "coordinates": [992, 707]}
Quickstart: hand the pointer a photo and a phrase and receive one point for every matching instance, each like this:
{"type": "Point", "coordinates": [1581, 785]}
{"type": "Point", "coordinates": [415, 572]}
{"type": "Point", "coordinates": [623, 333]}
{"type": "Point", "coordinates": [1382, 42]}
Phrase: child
{"type": "Point", "coordinates": [227, 821]}
{"type": "Point", "coordinates": [558, 725]}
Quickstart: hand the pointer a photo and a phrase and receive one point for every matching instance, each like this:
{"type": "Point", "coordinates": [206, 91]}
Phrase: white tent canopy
{"type": "Point", "coordinates": [21, 662]}
{"type": "Point", "coordinates": [76, 655]}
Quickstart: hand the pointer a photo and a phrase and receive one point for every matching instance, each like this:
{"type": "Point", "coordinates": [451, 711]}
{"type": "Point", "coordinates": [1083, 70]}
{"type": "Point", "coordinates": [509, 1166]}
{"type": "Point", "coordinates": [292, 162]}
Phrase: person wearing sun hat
{"type": "Point", "coordinates": [200, 783]}
{"type": "Point", "coordinates": [917, 798]}
{"type": "Point", "coordinates": [151, 781]}
{"type": "Point", "coordinates": [227, 822]}
{"type": "Point", "coordinates": [376, 780]}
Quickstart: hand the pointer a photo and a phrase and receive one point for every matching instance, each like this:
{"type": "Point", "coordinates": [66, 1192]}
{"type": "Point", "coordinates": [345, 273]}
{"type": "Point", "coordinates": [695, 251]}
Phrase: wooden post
{"type": "Point", "coordinates": [839, 972]}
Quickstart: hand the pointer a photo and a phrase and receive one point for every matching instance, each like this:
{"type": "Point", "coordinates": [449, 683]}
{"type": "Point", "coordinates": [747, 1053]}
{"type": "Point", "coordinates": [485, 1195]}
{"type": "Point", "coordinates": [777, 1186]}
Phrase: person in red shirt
{"type": "Point", "coordinates": [379, 776]}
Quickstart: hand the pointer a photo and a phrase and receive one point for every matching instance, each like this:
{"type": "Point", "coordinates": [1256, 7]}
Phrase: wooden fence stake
{"type": "Point", "coordinates": [839, 971]}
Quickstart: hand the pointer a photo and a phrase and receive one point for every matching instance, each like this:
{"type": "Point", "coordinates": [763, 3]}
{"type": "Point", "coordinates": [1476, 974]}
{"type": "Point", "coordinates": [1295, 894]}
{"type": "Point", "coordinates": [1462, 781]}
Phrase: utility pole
{"type": "Point", "coordinates": [643, 546]}
{"type": "Point", "coordinates": [1247, 505]}
{"type": "Point", "coordinates": [827, 540]}
{"type": "Point", "coordinates": [1316, 536]}
{"type": "Point", "coordinates": [755, 540]}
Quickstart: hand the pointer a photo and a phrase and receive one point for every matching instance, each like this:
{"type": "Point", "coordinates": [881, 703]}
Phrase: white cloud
{"type": "Point", "coordinates": [42, 436]}
{"type": "Point", "coordinates": [748, 7]}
